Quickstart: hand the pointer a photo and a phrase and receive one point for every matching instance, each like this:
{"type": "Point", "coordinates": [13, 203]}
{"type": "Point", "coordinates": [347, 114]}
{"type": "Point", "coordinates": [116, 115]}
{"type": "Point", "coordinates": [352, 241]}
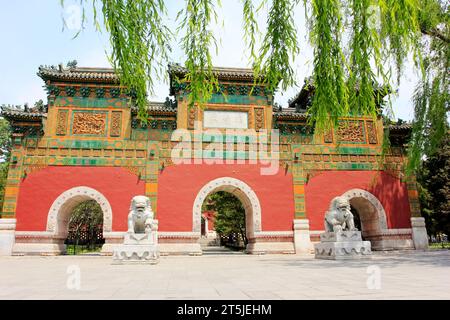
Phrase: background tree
{"type": "Point", "coordinates": [5, 150]}
{"type": "Point", "coordinates": [431, 98]}
{"type": "Point", "coordinates": [434, 187]}
{"type": "Point", "coordinates": [230, 215]}
{"type": "Point", "coordinates": [86, 217]}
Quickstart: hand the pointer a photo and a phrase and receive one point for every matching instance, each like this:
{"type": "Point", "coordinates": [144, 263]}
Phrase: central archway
{"type": "Point", "coordinates": [62, 208]}
{"type": "Point", "coordinates": [238, 188]}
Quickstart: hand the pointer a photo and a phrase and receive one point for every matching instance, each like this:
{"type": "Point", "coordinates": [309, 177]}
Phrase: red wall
{"type": "Point", "coordinates": [179, 185]}
{"type": "Point", "coordinates": [40, 189]}
{"type": "Point", "coordinates": [392, 193]}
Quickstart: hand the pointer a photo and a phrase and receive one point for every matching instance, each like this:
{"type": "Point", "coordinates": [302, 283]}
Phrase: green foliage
{"type": "Point", "coordinates": [377, 32]}
{"type": "Point", "coordinates": [434, 18]}
{"type": "Point", "coordinates": [434, 190]}
{"type": "Point", "coordinates": [279, 46]}
{"type": "Point", "coordinates": [5, 151]}
{"type": "Point", "coordinates": [3, 176]}
{"type": "Point", "coordinates": [230, 218]}
{"type": "Point", "coordinates": [197, 17]}
{"type": "Point", "coordinates": [364, 44]}
{"type": "Point", "coordinates": [357, 44]}
{"type": "Point", "coordinates": [140, 42]}
{"type": "Point", "coordinates": [86, 216]}
{"type": "Point", "coordinates": [5, 140]}
{"type": "Point", "coordinates": [330, 98]}
{"type": "Point", "coordinates": [431, 98]}
{"type": "Point", "coordinates": [251, 29]}
{"type": "Point", "coordinates": [400, 30]}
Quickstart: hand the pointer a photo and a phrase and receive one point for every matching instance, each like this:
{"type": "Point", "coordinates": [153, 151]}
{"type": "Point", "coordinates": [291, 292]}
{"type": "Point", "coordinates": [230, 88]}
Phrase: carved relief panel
{"type": "Point", "coordinates": [259, 118]}
{"type": "Point", "coordinates": [61, 122]}
{"type": "Point", "coordinates": [116, 124]}
{"type": "Point", "coordinates": [371, 132]}
{"type": "Point", "coordinates": [351, 131]}
{"type": "Point", "coordinates": [328, 136]}
{"type": "Point", "coordinates": [89, 123]}
{"type": "Point", "coordinates": [192, 111]}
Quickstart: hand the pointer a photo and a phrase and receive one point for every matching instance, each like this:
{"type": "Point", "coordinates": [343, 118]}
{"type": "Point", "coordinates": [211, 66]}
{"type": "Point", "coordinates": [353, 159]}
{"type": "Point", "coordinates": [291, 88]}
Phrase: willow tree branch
{"type": "Point", "coordinates": [435, 33]}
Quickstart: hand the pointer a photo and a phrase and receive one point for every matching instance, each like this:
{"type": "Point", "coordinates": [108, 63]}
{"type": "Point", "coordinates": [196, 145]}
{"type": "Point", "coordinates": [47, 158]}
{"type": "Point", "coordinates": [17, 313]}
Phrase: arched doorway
{"type": "Point", "coordinates": [369, 215]}
{"type": "Point", "coordinates": [85, 229]}
{"type": "Point", "coordinates": [242, 192]}
{"type": "Point", "coordinates": [229, 219]}
{"type": "Point", "coordinates": [62, 208]}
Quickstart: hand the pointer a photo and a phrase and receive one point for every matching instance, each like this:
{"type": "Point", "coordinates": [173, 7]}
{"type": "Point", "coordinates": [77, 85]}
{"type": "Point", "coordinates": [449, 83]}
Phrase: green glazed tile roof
{"type": "Point", "coordinates": [158, 108]}
{"type": "Point", "coordinates": [14, 113]}
{"type": "Point", "coordinates": [61, 73]}
{"type": "Point", "coordinates": [289, 113]}
{"type": "Point", "coordinates": [400, 127]}
{"type": "Point", "coordinates": [244, 74]}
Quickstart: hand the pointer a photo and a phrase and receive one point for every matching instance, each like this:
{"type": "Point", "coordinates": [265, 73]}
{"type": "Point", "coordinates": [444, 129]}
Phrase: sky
{"type": "Point", "coordinates": [32, 33]}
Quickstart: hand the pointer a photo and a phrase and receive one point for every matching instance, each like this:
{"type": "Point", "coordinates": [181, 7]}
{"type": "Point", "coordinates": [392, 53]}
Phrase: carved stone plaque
{"type": "Point", "coordinates": [225, 119]}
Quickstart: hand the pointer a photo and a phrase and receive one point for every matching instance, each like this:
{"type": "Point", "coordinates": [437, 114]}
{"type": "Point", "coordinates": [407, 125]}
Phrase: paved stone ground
{"type": "Point", "coordinates": [404, 275]}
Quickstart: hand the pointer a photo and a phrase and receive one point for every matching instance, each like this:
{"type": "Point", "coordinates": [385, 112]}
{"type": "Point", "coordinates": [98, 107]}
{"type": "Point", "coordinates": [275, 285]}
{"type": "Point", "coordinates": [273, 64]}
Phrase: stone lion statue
{"type": "Point", "coordinates": [339, 217]}
{"type": "Point", "coordinates": [140, 218]}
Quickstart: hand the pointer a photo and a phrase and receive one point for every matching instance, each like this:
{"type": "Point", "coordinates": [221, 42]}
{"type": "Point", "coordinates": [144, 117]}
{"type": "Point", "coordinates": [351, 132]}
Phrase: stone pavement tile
{"type": "Point", "coordinates": [407, 276]}
{"type": "Point", "coordinates": [262, 295]}
{"type": "Point", "coordinates": [203, 290]}
{"type": "Point", "coordinates": [126, 294]}
{"type": "Point", "coordinates": [233, 296]}
{"type": "Point", "coordinates": [179, 291]}
{"type": "Point", "coordinates": [326, 291]}
{"type": "Point", "coordinates": [155, 288]}
{"type": "Point", "coordinates": [40, 297]}
{"type": "Point", "coordinates": [150, 296]}
{"type": "Point", "coordinates": [291, 295]}
{"type": "Point", "coordinates": [235, 293]}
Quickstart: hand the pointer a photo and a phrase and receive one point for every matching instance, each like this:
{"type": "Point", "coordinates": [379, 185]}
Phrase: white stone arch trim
{"type": "Point", "coordinates": [225, 184]}
{"type": "Point", "coordinates": [360, 193]}
{"type": "Point", "coordinates": [84, 193]}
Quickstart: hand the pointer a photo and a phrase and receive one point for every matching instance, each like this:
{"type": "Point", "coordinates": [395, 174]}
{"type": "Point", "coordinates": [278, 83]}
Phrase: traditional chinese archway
{"type": "Point", "coordinates": [88, 136]}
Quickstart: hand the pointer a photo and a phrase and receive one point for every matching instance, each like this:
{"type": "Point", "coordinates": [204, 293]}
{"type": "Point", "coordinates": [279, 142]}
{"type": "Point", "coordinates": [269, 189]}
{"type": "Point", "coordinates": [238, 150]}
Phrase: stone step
{"type": "Point", "coordinates": [216, 250]}
{"type": "Point", "coordinates": [204, 242]}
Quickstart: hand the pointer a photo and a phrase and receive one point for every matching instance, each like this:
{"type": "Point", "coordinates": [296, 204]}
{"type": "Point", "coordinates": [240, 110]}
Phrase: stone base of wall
{"type": "Point", "coordinates": [389, 239]}
{"type": "Point", "coordinates": [392, 239]}
{"type": "Point", "coordinates": [37, 243]}
{"type": "Point", "coordinates": [271, 242]}
{"type": "Point", "coordinates": [7, 239]}
{"type": "Point", "coordinates": [186, 243]}
{"type": "Point", "coordinates": [419, 233]}
{"type": "Point", "coordinates": [170, 243]}
{"type": "Point", "coordinates": [270, 248]}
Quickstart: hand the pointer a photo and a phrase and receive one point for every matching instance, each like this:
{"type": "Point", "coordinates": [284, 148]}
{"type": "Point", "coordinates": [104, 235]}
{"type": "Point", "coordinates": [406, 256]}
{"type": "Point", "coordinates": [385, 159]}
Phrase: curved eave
{"type": "Point", "coordinates": [157, 111]}
{"type": "Point", "coordinates": [219, 72]}
{"type": "Point", "coordinates": [22, 116]}
{"type": "Point", "coordinates": [400, 129]}
{"type": "Point", "coordinates": [290, 116]}
{"type": "Point", "coordinates": [80, 75]}
{"type": "Point", "coordinates": [162, 113]}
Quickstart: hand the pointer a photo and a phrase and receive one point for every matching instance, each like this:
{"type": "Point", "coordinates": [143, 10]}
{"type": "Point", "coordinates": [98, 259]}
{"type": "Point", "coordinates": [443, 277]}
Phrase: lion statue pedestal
{"type": "Point", "coordinates": [341, 240]}
{"type": "Point", "coordinates": [141, 240]}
